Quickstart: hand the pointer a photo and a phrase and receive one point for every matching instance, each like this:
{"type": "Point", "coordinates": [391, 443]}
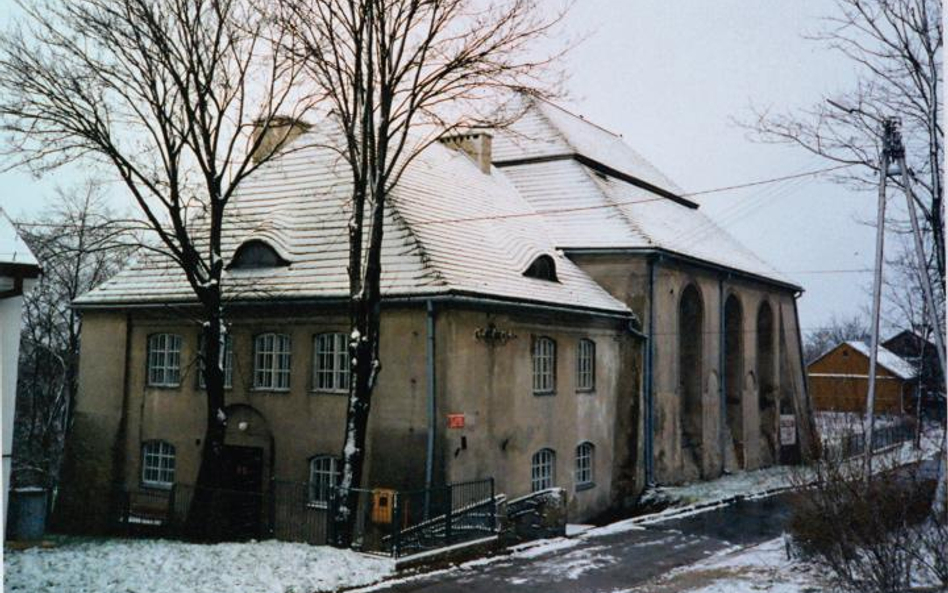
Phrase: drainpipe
{"type": "Point", "coordinates": [722, 376]}
{"type": "Point", "coordinates": [648, 379]}
{"type": "Point", "coordinates": [430, 389]}
{"type": "Point", "coordinates": [807, 407]}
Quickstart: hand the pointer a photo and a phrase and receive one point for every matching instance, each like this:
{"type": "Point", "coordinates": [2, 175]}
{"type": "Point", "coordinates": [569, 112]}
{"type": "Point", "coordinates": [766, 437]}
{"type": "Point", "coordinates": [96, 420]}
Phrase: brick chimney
{"type": "Point", "coordinates": [281, 131]}
{"type": "Point", "coordinates": [476, 144]}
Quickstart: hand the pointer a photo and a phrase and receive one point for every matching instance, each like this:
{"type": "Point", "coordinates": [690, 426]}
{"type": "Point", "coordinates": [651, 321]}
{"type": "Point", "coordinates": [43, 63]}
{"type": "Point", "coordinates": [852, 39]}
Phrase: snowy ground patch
{"type": "Point", "coordinates": [160, 566]}
{"type": "Point", "coordinates": [764, 567]}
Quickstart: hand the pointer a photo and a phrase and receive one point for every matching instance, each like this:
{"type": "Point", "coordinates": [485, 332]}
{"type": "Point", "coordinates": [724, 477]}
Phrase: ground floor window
{"type": "Point", "coordinates": [542, 470]}
{"type": "Point", "coordinates": [323, 475]}
{"type": "Point", "coordinates": [158, 464]}
{"type": "Point", "coordinates": [584, 464]}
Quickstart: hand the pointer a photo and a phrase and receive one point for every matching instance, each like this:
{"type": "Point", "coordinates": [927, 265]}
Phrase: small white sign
{"type": "Point", "coordinates": [788, 429]}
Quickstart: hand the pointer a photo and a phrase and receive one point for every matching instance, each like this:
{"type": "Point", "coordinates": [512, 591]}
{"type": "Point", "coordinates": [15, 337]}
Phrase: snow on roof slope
{"type": "Point", "coordinates": [547, 130]}
{"type": "Point", "coordinates": [885, 357]}
{"type": "Point", "coordinates": [298, 203]}
{"type": "Point", "coordinates": [13, 250]}
{"type": "Point", "coordinates": [588, 209]}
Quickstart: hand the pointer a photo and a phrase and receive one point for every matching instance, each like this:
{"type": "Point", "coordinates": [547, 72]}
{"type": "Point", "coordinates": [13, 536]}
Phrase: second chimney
{"type": "Point", "coordinates": [476, 145]}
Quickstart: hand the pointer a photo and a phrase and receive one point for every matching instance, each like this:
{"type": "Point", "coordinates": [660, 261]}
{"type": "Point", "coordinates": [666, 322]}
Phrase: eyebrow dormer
{"type": "Point", "coordinates": [542, 268]}
{"type": "Point", "coordinates": [255, 254]}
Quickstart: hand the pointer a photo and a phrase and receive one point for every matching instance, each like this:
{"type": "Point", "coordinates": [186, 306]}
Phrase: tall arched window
{"type": "Point", "coordinates": [271, 362]}
{"type": "Point", "coordinates": [691, 371]}
{"type": "Point", "coordinates": [323, 475]}
{"type": "Point", "coordinates": [585, 465]}
{"type": "Point", "coordinates": [733, 374]}
{"type": "Point", "coordinates": [158, 464]}
{"type": "Point", "coordinates": [586, 365]}
{"type": "Point", "coordinates": [164, 360]}
{"type": "Point", "coordinates": [543, 470]}
{"type": "Point", "coordinates": [766, 383]}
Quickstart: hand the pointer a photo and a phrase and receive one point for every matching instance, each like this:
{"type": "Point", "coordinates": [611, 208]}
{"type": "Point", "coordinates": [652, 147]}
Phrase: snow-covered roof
{"type": "Point", "coordinates": [447, 231]}
{"type": "Point", "coordinates": [892, 362]}
{"type": "Point", "coordinates": [587, 207]}
{"type": "Point", "coordinates": [13, 249]}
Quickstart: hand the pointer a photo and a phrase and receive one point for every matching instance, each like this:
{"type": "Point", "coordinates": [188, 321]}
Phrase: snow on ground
{"type": "Point", "coordinates": [764, 567]}
{"type": "Point", "coordinates": [161, 566]}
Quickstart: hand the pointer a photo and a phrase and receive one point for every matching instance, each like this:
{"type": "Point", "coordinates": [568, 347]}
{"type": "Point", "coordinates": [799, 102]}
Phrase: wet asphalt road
{"type": "Point", "coordinates": [616, 561]}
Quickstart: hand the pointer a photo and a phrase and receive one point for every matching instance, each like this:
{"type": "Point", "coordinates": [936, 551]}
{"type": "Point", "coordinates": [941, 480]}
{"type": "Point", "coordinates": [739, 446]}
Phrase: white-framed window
{"type": "Point", "coordinates": [164, 360]}
{"type": "Point", "coordinates": [543, 470]}
{"type": "Point", "coordinates": [323, 475]}
{"type": "Point", "coordinates": [331, 362]}
{"type": "Point", "coordinates": [586, 365]}
{"type": "Point", "coordinates": [271, 362]}
{"type": "Point", "coordinates": [228, 362]}
{"type": "Point", "coordinates": [158, 464]}
{"type": "Point", "coordinates": [585, 459]}
{"type": "Point", "coordinates": [544, 366]}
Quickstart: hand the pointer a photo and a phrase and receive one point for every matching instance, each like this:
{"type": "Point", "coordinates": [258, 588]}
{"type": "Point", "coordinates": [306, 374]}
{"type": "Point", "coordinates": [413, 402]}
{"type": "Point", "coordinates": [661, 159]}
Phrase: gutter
{"type": "Point", "coordinates": [648, 379]}
{"type": "Point", "coordinates": [430, 393]}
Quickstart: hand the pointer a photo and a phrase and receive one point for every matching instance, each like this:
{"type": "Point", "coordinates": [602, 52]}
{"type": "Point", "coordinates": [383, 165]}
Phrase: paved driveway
{"type": "Point", "coordinates": [610, 562]}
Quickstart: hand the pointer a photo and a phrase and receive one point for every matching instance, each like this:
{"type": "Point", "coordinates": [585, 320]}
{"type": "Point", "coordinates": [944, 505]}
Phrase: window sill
{"type": "Point", "coordinates": [586, 486]}
{"type": "Point", "coordinates": [589, 391]}
{"type": "Point", "coordinates": [328, 392]}
{"type": "Point", "coordinates": [157, 487]}
{"type": "Point", "coordinates": [267, 390]}
{"type": "Point", "coordinates": [544, 393]}
{"type": "Point", "coordinates": [320, 506]}
{"type": "Point", "coordinates": [168, 386]}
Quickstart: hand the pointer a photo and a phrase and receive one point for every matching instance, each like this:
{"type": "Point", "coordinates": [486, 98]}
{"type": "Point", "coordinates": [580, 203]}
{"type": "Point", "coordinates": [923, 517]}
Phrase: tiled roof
{"type": "Point", "coordinates": [586, 207]}
{"type": "Point", "coordinates": [298, 203]}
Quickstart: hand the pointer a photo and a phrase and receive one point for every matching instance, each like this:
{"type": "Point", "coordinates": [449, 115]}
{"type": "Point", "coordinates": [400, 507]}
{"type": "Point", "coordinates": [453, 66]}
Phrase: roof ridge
{"type": "Point", "coordinates": [577, 116]}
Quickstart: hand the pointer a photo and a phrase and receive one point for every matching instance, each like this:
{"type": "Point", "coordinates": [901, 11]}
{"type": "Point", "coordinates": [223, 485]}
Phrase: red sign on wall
{"type": "Point", "coordinates": [455, 420]}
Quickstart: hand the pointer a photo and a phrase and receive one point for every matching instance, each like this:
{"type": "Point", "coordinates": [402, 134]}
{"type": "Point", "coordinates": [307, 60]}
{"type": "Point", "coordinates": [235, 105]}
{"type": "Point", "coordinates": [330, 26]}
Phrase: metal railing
{"type": "Point", "coordinates": [854, 443]}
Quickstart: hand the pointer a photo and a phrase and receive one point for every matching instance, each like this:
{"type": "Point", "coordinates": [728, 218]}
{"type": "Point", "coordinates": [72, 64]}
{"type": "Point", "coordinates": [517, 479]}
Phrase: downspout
{"type": "Point", "coordinates": [430, 392]}
{"type": "Point", "coordinates": [813, 444]}
{"type": "Point", "coordinates": [722, 376]}
{"type": "Point", "coordinates": [648, 379]}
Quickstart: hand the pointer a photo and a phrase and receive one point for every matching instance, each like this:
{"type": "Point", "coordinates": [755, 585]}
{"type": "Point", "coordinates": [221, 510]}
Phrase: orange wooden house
{"type": "Point", "coordinates": [839, 380]}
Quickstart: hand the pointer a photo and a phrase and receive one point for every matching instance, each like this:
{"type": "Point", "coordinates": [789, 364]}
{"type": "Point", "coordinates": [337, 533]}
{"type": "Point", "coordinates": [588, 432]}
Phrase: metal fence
{"type": "Point", "coordinates": [283, 511]}
{"type": "Point", "coordinates": [400, 523]}
{"type": "Point", "coordinates": [853, 444]}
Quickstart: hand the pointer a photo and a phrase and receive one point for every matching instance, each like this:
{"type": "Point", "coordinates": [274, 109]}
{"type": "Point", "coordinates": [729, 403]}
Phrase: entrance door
{"type": "Point", "coordinates": [242, 496]}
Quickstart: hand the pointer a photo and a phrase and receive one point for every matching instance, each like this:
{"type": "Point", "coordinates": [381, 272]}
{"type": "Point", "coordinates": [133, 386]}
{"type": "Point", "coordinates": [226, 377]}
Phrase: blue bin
{"type": "Point", "coordinates": [27, 518]}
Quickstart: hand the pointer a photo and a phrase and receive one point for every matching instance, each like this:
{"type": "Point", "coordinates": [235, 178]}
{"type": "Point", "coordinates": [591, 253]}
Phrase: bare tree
{"type": "Point", "coordinates": [166, 95]}
{"type": "Point", "coordinates": [897, 48]}
{"type": "Point", "coordinates": [80, 243]}
{"type": "Point", "coordinates": [396, 76]}
{"type": "Point", "coordinates": [838, 330]}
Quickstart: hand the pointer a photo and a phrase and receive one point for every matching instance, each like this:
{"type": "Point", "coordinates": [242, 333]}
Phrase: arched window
{"type": "Point", "coordinates": [766, 384]}
{"type": "Point", "coordinates": [586, 365]}
{"type": "Point", "coordinates": [543, 470]}
{"type": "Point", "coordinates": [734, 375]}
{"type": "Point", "coordinates": [158, 464]}
{"type": "Point", "coordinates": [164, 360]}
{"type": "Point", "coordinates": [323, 475]}
{"type": "Point", "coordinates": [271, 362]}
{"type": "Point", "coordinates": [691, 372]}
{"type": "Point", "coordinates": [544, 366]}
{"type": "Point", "coordinates": [255, 254]}
{"type": "Point", "coordinates": [585, 464]}
{"type": "Point", "coordinates": [330, 362]}
{"type": "Point", "coordinates": [543, 268]}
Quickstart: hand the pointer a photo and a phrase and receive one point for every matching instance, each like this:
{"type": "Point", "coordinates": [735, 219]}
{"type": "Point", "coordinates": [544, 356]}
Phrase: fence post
{"type": "Point", "coordinates": [397, 518]}
{"type": "Point", "coordinates": [447, 515]}
{"type": "Point", "coordinates": [330, 513]}
{"type": "Point", "coordinates": [493, 507]}
{"type": "Point", "coordinates": [171, 501]}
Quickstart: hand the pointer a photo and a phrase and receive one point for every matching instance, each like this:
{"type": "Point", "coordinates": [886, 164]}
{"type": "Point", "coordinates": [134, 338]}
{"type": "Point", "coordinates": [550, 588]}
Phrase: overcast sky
{"type": "Point", "coordinates": [670, 76]}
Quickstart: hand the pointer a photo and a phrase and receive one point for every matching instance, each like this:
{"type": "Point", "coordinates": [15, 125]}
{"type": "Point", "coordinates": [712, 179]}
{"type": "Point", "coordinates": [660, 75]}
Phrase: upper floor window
{"type": "Point", "coordinates": [544, 366]}
{"type": "Point", "coordinates": [256, 254]}
{"type": "Point", "coordinates": [158, 464]}
{"type": "Point", "coordinates": [323, 475]}
{"type": "Point", "coordinates": [164, 360]}
{"type": "Point", "coordinates": [271, 361]}
{"type": "Point", "coordinates": [331, 362]}
{"type": "Point", "coordinates": [543, 268]}
{"type": "Point", "coordinates": [586, 365]}
{"type": "Point", "coordinates": [228, 362]}
{"type": "Point", "coordinates": [585, 455]}
{"type": "Point", "coordinates": [543, 470]}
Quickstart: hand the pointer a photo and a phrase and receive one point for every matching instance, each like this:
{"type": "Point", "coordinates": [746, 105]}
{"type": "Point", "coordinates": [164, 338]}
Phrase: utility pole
{"type": "Point", "coordinates": [889, 149]}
